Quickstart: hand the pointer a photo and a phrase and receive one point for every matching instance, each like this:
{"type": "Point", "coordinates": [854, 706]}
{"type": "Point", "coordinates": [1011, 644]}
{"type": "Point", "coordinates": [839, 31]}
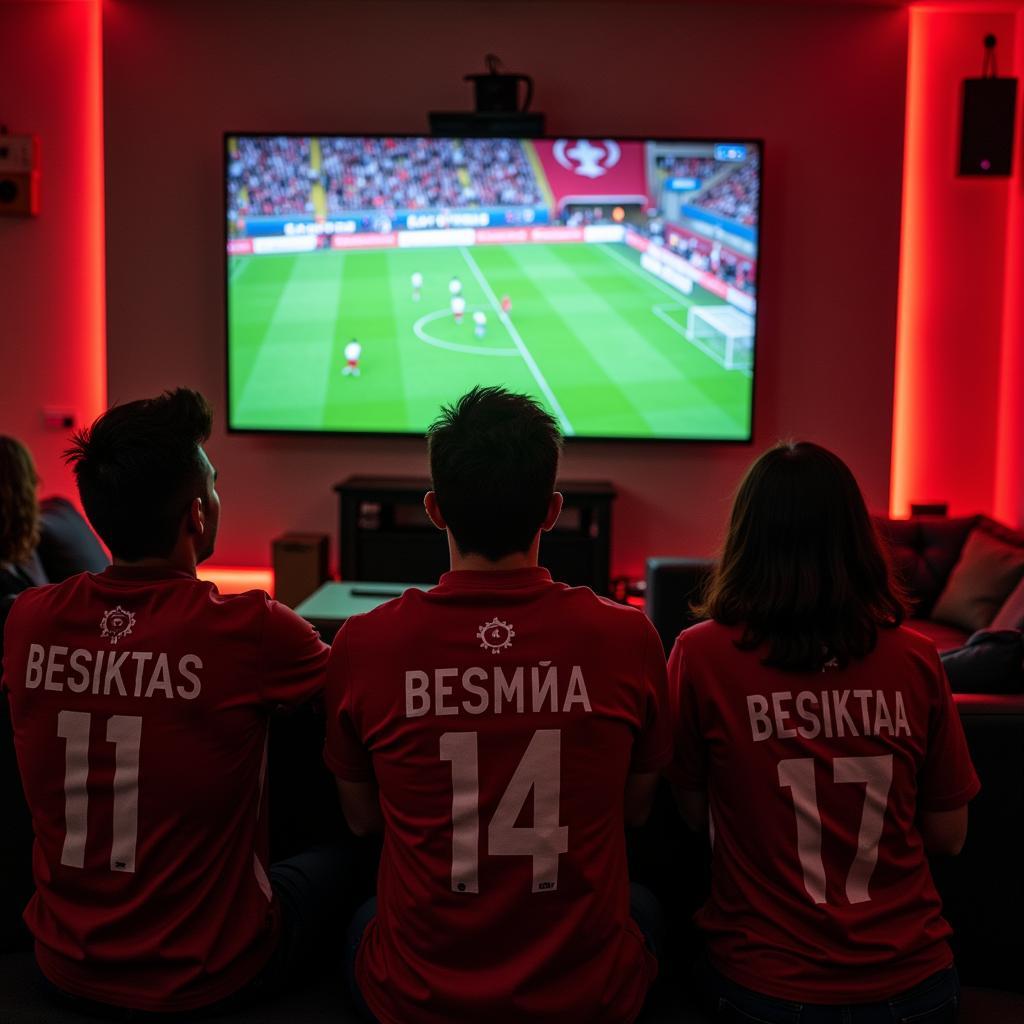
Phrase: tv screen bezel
{"type": "Point", "coordinates": [574, 439]}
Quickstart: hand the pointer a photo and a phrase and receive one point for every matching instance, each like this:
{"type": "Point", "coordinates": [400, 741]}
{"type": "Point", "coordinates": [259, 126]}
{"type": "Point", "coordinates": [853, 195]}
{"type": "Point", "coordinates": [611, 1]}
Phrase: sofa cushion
{"type": "Point", "coordinates": [923, 553]}
{"type": "Point", "coordinates": [1011, 615]}
{"type": "Point", "coordinates": [992, 661]}
{"type": "Point", "coordinates": [945, 638]}
{"type": "Point", "coordinates": [66, 544]}
{"type": "Point", "coordinates": [672, 584]}
{"type": "Point", "coordinates": [982, 579]}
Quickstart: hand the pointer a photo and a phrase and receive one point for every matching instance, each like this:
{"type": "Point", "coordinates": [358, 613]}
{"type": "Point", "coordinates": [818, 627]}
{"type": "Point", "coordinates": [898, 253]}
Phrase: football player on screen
{"type": "Point", "coordinates": [506, 305]}
{"type": "Point", "coordinates": [458, 308]}
{"type": "Point", "coordinates": [455, 287]}
{"type": "Point", "coordinates": [353, 350]}
{"type": "Point", "coordinates": [417, 286]}
{"type": "Point", "coordinates": [480, 323]}
{"type": "Point", "coordinates": [501, 729]}
{"type": "Point", "coordinates": [140, 699]}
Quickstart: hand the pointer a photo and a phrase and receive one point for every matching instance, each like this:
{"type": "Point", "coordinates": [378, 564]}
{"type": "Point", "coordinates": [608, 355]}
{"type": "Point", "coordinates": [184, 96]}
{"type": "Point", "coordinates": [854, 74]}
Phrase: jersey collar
{"type": "Point", "coordinates": [503, 579]}
{"type": "Point", "coordinates": [142, 574]}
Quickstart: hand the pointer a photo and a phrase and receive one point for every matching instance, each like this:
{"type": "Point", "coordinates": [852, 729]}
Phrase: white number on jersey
{"type": "Point", "coordinates": [539, 770]}
{"type": "Point", "coordinates": [797, 775]}
{"type": "Point", "coordinates": [125, 732]}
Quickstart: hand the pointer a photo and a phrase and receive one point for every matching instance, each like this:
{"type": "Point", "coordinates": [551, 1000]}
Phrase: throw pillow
{"type": "Point", "coordinates": [980, 582]}
{"type": "Point", "coordinates": [1011, 615]}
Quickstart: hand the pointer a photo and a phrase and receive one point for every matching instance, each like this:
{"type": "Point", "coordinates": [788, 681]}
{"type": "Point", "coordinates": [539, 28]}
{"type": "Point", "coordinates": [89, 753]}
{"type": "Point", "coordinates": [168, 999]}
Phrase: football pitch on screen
{"type": "Point", "coordinates": [602, 343]}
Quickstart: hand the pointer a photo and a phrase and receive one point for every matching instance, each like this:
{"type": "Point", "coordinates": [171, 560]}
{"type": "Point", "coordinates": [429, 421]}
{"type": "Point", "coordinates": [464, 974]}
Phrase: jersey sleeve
{"type": "Point", "coordinates": [13, 609]}
{"type": "Point", "coordinates": [344, 753]}
{"type": "Point", "coordinates": [294, 658]}
{"type": "Point", "coordinates": [689, 757]}
{"type": "Point", "coordinates": [947, 779]}
{"type": "Point", "coordinates": [6, 633]}
{"type": "Point", "coordinates": [652, 749]}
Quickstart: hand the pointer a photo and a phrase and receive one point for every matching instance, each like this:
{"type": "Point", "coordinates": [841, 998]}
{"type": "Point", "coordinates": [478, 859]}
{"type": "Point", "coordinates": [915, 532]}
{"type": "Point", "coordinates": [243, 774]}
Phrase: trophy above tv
{"type": "Point", "coordinates": [498, 110]}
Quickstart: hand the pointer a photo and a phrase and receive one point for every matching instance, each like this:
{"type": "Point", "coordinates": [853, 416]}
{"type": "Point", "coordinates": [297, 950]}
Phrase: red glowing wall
{"type": "Point", "coordinates": [957, 432]}
{"type": "Point", "coordinates": [52, 349]}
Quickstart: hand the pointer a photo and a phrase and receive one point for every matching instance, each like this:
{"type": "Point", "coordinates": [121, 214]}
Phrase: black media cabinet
{"type": "Point", "coordinates": [385, 534]}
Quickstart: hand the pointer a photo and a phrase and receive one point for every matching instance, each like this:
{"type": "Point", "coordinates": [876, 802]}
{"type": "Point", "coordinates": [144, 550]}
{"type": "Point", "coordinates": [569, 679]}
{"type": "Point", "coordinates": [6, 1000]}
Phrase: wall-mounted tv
{"type": "Point", "coordinates": [372, 278]}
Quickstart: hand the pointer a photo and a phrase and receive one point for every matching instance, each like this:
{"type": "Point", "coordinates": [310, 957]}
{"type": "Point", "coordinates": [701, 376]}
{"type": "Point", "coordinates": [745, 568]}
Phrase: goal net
{"type": "Point", "coordinates": [724, 332]}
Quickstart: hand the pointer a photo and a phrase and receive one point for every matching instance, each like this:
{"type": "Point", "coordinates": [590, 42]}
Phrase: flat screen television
{"type": "Point", "coordinates": [370, 279]}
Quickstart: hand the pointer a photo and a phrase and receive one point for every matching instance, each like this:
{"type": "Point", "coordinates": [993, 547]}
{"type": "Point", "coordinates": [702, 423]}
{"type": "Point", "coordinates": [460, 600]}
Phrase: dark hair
{"type": "Point", "coordinates": [493, 461]}
{"type": "Point", "coordinates": [19, 506]}
{"type": "Point", "coordinates": [803, 569]}
{"type": "Point", "coordinates": [138, 469]}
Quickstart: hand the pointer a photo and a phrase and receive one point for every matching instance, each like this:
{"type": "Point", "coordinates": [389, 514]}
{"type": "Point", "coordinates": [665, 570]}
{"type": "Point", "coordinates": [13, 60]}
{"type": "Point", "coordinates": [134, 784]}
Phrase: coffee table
{"type": "Point", "coordinates": [327, 608]}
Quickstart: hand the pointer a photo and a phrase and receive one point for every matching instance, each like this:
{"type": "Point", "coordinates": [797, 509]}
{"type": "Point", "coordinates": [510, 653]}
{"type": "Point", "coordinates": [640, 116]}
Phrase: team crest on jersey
{"type": "Point", "coordinates": [585, 158]}
{"type": "Point", "coordinates": [116, 623]}
{"type": "Point", "coordinates": [495, 635]}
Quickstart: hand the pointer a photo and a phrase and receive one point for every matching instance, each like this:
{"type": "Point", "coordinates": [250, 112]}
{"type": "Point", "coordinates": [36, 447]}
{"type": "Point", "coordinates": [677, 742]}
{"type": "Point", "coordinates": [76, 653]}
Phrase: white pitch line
{"type": "Point", "coordinates": [236, 271]}
{"type": "Point", "coordinates": [452, 346]}
{"type": "Point", "coordinates": [531, 363]}
{"type": "Point", "coordinates": [672, 293]}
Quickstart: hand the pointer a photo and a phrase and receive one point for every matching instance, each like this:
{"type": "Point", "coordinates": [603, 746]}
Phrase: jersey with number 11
{"type": "Point", "coordinates": [140, 701]}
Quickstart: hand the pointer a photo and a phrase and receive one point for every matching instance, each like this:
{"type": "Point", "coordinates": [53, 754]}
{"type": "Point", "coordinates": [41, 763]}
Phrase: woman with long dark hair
{"type": "Point", "coordinates": [818, 738]}
{"type": "Point", "coordinates": [19, 519]}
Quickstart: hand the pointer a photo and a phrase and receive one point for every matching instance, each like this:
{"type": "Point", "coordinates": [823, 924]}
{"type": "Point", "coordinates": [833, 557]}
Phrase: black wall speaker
{"type": "Point", "coordinates": [986, 130]}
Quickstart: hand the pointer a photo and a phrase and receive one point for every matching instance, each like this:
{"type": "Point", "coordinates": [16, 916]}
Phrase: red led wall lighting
{"type": "Point", "coordinates": [957, 421]}
{"type": "Point", "coordinates": [95, 396]}
{"type": "Point", "coordinates": [906, 420]}
{"type": "Point", "coordinates": [1009, 496]}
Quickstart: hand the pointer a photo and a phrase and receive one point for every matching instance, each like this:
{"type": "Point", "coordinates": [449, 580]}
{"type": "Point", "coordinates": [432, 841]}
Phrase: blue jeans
{"type": "Point", "coordinates": [313, 889]}
{"type": "Point", "coordinates": [935, 1001]}
{"type": "Point", "coordinates": [643, 908]}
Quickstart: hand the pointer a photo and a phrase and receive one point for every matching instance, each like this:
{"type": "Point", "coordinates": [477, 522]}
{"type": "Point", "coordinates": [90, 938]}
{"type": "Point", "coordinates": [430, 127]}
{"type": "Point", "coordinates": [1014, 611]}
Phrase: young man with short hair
{"type": "Point", "coordinates": [140, 699]}
{"type": "Point", "coordinates": [502, 729]}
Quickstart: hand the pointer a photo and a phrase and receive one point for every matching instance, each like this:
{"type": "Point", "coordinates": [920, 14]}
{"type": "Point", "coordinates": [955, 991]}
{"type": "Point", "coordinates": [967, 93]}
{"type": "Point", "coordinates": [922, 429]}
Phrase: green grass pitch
{"type": "Point", "coordinates": [591, 334]}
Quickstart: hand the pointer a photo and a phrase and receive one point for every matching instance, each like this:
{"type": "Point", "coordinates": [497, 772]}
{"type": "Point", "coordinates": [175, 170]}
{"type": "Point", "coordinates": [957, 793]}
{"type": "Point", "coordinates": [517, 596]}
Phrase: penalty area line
{"type": "Point", "coordinates": [672, 293]}
{"type": "Point", "coordinates": [531, 363]}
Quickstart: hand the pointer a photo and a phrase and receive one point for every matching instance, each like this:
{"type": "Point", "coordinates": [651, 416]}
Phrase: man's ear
{"type": "Point", "coordinates": [554, 511]}
{"type": "Point", "coordinates": [195, 521]}
{"type": "Point", "coordinates": [434, 510]}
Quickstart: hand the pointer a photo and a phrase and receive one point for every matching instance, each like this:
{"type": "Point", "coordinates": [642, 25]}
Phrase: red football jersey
{"type": "Point", "coordinates": [820, 887]}
{"type": "Point", "coordinates": [140, 701]}
{"type": "Point", "coordinates": [500, 715]}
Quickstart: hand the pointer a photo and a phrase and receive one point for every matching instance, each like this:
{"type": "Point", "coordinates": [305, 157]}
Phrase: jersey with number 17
{"type": "Point", "coordinates": [821, 891]}
{"type": "Point", "coordinates": [140, 701]}
{"type": "Point", "coordinates": [500, 715]}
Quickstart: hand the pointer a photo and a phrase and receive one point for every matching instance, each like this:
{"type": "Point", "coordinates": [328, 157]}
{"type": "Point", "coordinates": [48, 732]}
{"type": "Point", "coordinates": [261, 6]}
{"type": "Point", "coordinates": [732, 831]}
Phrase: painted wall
{"type": "Point", "coordinates": [823, 87]}
{"type": "Point", "coordinates": [51, 267]}
{"type": "Point", "coordinates": [1009, 470]}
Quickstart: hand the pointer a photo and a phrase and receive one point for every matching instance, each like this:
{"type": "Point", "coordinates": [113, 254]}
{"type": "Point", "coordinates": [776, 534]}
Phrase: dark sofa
{"type": "Point", "coordinates": [924, 551]}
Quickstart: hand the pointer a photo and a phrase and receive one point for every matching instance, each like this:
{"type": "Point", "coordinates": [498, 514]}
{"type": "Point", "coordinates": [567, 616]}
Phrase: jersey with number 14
{"type": "Point", "coordinates": [820, 889]}
{"type": "Point", "coordinates": [140, 701]}
{"type": "Point", "coordinates": [500, 715]}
